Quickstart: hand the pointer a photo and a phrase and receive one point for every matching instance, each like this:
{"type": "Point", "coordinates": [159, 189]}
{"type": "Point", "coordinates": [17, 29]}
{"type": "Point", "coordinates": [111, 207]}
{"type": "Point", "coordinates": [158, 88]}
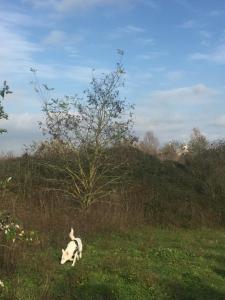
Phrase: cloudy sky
{"type": "Point", "coordinates": [174, 61]}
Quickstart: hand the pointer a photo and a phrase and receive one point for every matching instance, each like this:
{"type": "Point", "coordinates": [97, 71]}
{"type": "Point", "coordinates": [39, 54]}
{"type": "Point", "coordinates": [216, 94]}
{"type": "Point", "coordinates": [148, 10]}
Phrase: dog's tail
{"type": "Point", "coordinates": [71, 235]}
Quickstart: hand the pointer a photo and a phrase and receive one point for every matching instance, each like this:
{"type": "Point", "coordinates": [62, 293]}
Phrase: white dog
{"type": "Point", "coordinates": [73, 250]}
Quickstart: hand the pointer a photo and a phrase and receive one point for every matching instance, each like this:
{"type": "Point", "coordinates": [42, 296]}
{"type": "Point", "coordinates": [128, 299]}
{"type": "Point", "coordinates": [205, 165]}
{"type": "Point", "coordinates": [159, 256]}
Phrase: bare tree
{"type": "Point", "coordinates": [198, 142]}
{"type": "Point", "coordinates": [89, 127]}
{"type": "Point", "coordinates": [150, 143]}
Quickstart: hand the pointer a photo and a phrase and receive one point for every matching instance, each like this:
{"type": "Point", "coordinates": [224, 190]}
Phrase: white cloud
{"type": "Point", "coordinates": [128, 30]}
{"type": "Point", "coordinates": [81, 73]}
{"type": "Point", "coordinates": [158, 124]}
{"type": "Point", "coordinates": [61, 38]}
{"type": "Point", "coordinates": [184, 3]}
{"type": "Point", "coordinates": [151, 55]}
{"type": "Point", "coordinates": [14, 17]}
{"type": "Point", "coordinates": [176, 75]}
{"type": "Point", "coordinates": [15, 52]}
{"type": "Point", "coordinates": [217, 55]}
{"type": "Point", "coordinates": [21, 122]}
{"type": "Point", "coordinates": [216, 13]}
{"type": "Point", "coordinates": [172, 113]}
{"type": "Point", "coordinates": [17, 55]}
{"type": "Point", "coordinates": [22, 129]}
{"type": "Point", "coordinates": [220, 121]}
{"type": "Point", "coordinates": [76, 73]}
{"type": "Point", "coordinates": [68, 6]}
{"type": "Point", "coordinates": [205, 34]}
{"type": "Point", "coordinates": [55, 37]}
{"type": "Point", "coordinates": [166, 128]}
{"type": "Point", "coordinates": [150, 3]}
{"type": "Point", "coordinates": [192, 93]}
{"type": "Point", "coordinates": [189, 24]}
{"type": "Point", "coordinates": [146, 41]}
{"type": "Point", "coordinates": [136, 79]}
{"type": "Point", "coordinates": [132, 29]}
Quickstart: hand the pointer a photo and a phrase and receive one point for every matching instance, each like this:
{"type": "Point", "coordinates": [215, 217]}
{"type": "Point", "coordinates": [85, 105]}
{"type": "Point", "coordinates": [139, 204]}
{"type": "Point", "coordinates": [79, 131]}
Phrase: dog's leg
{"type": "Point", "coordinates": [74, 260]}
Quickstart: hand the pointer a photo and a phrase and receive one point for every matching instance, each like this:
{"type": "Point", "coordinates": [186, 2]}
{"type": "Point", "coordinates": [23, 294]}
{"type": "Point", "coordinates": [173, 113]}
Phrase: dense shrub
{"type": "Point", "coordinates": [190, 193]}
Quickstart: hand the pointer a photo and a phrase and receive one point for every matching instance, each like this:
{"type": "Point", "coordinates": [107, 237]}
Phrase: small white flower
{"type": "Point", "coordinates": [21, 233]}
{"type": "Point", "coordinates": [17, 226]}
{"type": "Point", "coordinates": [9, 179]}
{"type": "Point", "coordinates": [1, 284]}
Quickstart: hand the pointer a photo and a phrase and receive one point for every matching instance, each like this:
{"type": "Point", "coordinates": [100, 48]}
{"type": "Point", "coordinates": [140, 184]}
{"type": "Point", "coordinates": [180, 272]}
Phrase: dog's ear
{"type": "Point", "coordinates": [62, 251]}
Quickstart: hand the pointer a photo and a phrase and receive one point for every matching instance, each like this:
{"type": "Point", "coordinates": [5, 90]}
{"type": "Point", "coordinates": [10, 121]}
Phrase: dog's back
{"type": "Point", "coordinates": [80, 246]}
{"type": "Point", "coordinates": [77, 241]}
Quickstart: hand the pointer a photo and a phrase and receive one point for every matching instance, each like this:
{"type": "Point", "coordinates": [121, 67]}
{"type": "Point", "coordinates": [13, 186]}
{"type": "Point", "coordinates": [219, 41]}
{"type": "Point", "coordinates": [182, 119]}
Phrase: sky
{"type": "Point", "coordinates": [174, 61]}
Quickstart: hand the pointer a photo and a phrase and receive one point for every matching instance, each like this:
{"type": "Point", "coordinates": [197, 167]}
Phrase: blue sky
{"type": "Point", "coordinates": [174, 61]}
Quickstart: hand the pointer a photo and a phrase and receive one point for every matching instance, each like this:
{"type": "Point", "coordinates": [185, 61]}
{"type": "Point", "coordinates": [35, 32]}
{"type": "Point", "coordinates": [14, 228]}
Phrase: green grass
{"type": "Point", "coordinates": [139, 264]}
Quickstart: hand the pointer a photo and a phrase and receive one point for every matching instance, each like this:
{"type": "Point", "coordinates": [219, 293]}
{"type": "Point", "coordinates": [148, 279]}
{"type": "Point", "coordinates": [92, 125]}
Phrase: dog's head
{"type": "Point", "coordinates": [65, 256]}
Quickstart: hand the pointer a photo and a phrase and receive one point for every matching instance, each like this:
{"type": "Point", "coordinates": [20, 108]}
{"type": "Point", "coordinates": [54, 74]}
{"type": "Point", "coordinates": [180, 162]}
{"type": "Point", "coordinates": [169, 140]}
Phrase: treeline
{"type": "Point", "coordinates": [188, 191]}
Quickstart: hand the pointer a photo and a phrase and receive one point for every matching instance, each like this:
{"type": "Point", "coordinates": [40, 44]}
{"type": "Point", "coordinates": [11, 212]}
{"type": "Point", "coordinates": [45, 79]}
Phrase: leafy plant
{"type": "Point", "coordinates": [4, 91]}
{"type": "Point", "coordinates": [13, 230]}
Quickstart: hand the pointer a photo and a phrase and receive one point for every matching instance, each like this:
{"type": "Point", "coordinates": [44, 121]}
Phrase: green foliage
{"type": "Point", "coordinates": [209, 168]}
{"type": "Point", "coordinates": [12, 231]}
{"type": "Point", "coordinates": [169, 191]}
{"type": "Point", "coordinates": [4, 91]}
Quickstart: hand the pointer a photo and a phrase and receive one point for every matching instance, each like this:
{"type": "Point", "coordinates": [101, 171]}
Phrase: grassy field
{"type": "Point", "coordinates": [138, 264]}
